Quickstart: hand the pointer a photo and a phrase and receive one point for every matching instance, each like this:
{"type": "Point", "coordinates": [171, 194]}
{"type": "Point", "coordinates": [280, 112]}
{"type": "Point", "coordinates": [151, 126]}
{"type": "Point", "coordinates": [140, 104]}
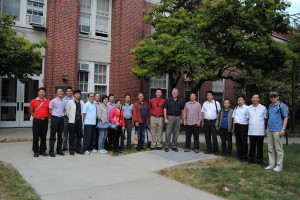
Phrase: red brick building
{"type": "Point", "coordinates": [89, 48]}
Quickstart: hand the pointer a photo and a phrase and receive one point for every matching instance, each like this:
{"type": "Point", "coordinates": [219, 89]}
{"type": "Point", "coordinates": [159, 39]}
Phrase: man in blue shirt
{"type": "Point", "coordinates": [278, 118]}
{"type": "Point", "coordinates": [89, 118]}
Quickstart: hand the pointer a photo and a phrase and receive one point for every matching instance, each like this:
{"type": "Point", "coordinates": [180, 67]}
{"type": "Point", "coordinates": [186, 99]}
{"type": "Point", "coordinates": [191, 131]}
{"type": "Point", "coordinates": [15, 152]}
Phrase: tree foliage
{"type": "Point", "coordinates": [19, 58]}
{"type": "Point", "coordinates": [211, 40]}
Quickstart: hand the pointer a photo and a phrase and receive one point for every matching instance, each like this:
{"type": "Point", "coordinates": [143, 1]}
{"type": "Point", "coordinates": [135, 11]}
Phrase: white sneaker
{"type": "Point", "coordinates": [269, 167]}
{"type": "Point", "coordinates": [102, 151]}
{"type": "Point", "coordinates": [87, 153]}
{"type": "Point", "coordinates": [94, 151]}
{"type": "Point", "coordinates": [277, 169]}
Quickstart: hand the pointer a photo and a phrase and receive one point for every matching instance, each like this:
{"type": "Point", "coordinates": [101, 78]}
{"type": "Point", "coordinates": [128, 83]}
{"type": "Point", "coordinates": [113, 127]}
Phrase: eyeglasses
{"type": "Point", "coordinates": [273, 96]}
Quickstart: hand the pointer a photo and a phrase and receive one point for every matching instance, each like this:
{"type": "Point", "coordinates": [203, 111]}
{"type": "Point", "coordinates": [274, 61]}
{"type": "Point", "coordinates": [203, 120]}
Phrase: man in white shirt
{"type": "Point", "coordinates": [241, 122]}
{"type": "Point", "coordinates": [257, 115]}
{"type": "Point", "coordinates": [210, 110]}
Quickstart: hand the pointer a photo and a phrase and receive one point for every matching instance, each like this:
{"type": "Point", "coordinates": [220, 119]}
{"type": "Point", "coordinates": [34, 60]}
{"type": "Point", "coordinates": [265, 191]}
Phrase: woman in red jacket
{"type": "Point", "coordinates": [140, 118]}
{"type": "Point", "coordinates": [116, 117]}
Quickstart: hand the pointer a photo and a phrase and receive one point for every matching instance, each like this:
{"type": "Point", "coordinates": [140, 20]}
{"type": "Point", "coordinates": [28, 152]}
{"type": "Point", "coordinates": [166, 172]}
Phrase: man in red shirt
{"type": "Point", "coordinates": [157, 119]}
{"type": "Point", "coordinates": [39, 109]}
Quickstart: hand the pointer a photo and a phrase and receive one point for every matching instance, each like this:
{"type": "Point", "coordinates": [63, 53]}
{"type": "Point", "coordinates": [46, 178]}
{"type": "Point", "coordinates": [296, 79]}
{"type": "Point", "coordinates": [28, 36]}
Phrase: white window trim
{"type": "Point", "coordinates": [223, 89]}
{"type": "Point", "coordinates": [167, 87]}
{"type": "Point", "coordinates": [93, 22]}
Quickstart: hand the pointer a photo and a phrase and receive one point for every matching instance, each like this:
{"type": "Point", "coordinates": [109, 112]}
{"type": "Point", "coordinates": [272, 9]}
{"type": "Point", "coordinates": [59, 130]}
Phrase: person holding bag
{"type": "Point", "coordinates": [103, 123]}
{"type": "Point", "coordinates": [116, 119]}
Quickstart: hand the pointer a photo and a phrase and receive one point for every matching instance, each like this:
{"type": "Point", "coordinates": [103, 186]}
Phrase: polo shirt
{"type": "Point", "coordinates": [174, 108]}
{"type": "Point", "coordinates": [225, 119]}
{"type": "Point", "coordinates": [240, 115]}
{"type": "Point", "coordinates": [156, 106]}
{"type": "Point", "coordinates": [57, 106]}
{"type": "Point", "coordinates": [127, 110]}
{"type": "Point", "coordinates": [43, 111]}
{"type": "Point", "coordinates": [192, 113]}
{"type": "Point", "coordinates": [90, 111]}
{"type": "Point", "coordinates": [110, 105]}
{"type": "Point", "coordinates": [275, 119]}
{"type": "Point", "coordinates": [257, 116]}
{"type": "Point", "coordinates": [209, 109]}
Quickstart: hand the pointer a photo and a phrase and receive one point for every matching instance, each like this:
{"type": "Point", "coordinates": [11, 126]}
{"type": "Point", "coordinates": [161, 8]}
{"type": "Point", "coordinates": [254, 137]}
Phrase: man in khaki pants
{"type": "Point", "coordinates": [156, 120]}
{"type": "Point", "coordinates": [278, 118]}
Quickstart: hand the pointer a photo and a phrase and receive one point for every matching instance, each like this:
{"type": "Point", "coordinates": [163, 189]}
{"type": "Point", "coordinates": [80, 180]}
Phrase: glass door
{"type": "Point", "coordinates": [9, 104]}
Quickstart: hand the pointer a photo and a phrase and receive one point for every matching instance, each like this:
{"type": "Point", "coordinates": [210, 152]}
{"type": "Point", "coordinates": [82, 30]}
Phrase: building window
{"type": "Point", "coordinates": [218, 89]}
{"type": "Point", "coordinates": [161, 83]}
{"type": "Point", "coordinates": [82, 84]}
{"type": "Point", "coordinates": [188, 86]}
{"type": "Point", "coordinates": [102, 17]}
{"type": "Point", "coordinates": [100, 79]}
{"type": "Point", "coordinates": [35, 7]}
{"type": "Point", "coordinates": [11, 7]}
{"type": "Point", "coordinates": [94, 17]}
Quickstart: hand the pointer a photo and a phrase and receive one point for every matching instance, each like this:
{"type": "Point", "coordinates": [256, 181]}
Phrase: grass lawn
{"type": "Point", "coordinates": [231, 179]}
{"type": "Point", "coordinates": [13, 186]}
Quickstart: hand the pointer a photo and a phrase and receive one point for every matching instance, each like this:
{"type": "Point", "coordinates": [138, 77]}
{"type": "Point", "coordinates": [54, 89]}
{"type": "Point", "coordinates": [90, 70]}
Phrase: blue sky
{"type": "Point", "coordinates": [295, 8]}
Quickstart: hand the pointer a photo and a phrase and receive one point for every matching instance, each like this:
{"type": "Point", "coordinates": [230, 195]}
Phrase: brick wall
{"type": "Point", "coordinates": [62, 52]}
{"type": "Point", "coordinates": [128, 28]}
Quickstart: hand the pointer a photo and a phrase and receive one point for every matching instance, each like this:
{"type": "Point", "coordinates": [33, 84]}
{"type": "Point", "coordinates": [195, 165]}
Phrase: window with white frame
{"type": "Point", "coordinates": [95, 17]}
{"type": "Point", "coordinates": [102, 18]}
{"type": "Point", "coordinates": [35, 7]}
{"type": "Point", "coordinates": [218, 89]}
{"type": "Point", "coordinates": [100, 78]}
{"type": "Point", "coordinates": [188, 86]}
{"type": "Point", "coordinates": [85, 16]}
{"type": "Point", "coordinates": [11, 7]}
{"type": "Point", "coordinates": [161, 83]}
{"type": "Point", "coordinates": [82, 83]}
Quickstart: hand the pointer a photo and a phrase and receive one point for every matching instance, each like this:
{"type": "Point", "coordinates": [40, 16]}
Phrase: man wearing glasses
{"type": "Point", "coordinates": [89, 114]}
{"type": "Point", "coordinates": [278, 118]}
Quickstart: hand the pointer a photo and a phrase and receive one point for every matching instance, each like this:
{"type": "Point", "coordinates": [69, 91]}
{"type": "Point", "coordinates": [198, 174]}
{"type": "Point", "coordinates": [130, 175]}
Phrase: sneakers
{"type": "Point", "coordinates": [186, 150]}
{"type": "Point", "coordinates": [269, 167]}
{"type": "Point", "coordinates": [102, 151]}
{"type": "Point", "coordinates": [94, 151]}
{"type": "Point", "coordinates": [86, 153]}
{"type": "Point", "coordinates": [36, 154]}
{"type": "Point", "coordinates": [277, 169]}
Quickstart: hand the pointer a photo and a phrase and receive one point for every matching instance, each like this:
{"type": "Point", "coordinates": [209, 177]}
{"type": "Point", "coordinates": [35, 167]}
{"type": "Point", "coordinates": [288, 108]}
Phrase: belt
{"type": "Point", "coordinates": [40, 118]}
{"type": "Point", "coordinates": [174, 115]}
{"type": "Point", "coordinates": [77, 117]}
{"type": "Point", "coordinates": [210, 119]}
{"type": "Point", "coordinates": [157, 116]}
{"type": "Point", "coordinates": [56, 116]}
{"type": "Point", "coordinates": [128, 119]}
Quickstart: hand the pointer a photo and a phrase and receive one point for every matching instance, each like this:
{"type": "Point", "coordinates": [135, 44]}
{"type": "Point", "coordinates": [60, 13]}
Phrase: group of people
{"type": "Point", "coordinates": [107, 123]}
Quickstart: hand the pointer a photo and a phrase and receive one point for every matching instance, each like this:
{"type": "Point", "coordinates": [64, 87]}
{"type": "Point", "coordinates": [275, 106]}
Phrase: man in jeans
{"type": "Point", "coordinates": [67, 98]}
{"type": "Point", "coordinates": [157, 119]}
{"type": "Point", "coordinates": [57, 107]}
{"type": "Point", "coordinates": [74, 111]}
{"type": "Point", "coordinates": [173, 108]}
{"type": "Point", "coordinates": [89, 118]}
{"type": "Point", "coordinates": [127, 111]}
{"type": "Point", "coordinates": [39, 109]}
{"type": "Point", "coordinates": [210, 111]}
{"type": "Point", "coordinates": [278, 118]}
{"type": "Point", "coordinates": [192, 120]}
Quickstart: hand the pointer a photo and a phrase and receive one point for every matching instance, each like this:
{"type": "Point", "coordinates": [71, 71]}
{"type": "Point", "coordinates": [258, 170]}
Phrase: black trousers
{"type": "Point", "coordinates": [116, 138]}
{"type": "Point", "coordinates": [256, 147]}
{"type": "Point", "coordinates": [39, 135]}
{"type": "Point", "coordinates": [88, 137]}
{"type": "Point", "coordinates": [192, 130]}
{"type": "Point", "coordinates": [241, 136]}
{"type": "Point", "coordinates": [96, 138]}
{"type": "Point", "coordinates": [226, 138]}
{"type": "Point", "coordinates": [109, 139]}
{"type": "Point", "coordinates": [75, 134]}
{"type": "Point", "coordinates": [57, 126]}
{"type": "Point", "coordinates": [128, 126]}
{"type": "Point", "coordinates": [211, 132]}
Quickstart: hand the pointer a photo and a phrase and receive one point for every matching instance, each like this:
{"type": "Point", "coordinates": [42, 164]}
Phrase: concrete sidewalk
{"type": "Point", "coordinates": [102, 177]}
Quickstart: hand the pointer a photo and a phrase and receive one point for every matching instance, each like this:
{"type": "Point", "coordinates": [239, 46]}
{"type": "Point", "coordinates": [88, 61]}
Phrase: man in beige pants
{"type": "Point", "coordinates": [156, 120]}
{"type": "Point", "coordinates": [278, 118]}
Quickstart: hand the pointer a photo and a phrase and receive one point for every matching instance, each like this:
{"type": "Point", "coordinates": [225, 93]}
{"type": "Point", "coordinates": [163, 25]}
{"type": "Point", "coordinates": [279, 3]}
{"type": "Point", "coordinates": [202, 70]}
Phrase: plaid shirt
{"type": "Point", "coordinates": [174, 108]}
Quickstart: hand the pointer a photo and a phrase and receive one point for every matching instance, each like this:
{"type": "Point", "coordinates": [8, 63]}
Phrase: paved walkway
{"type": "Point", "coordinates": [102, 177]}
